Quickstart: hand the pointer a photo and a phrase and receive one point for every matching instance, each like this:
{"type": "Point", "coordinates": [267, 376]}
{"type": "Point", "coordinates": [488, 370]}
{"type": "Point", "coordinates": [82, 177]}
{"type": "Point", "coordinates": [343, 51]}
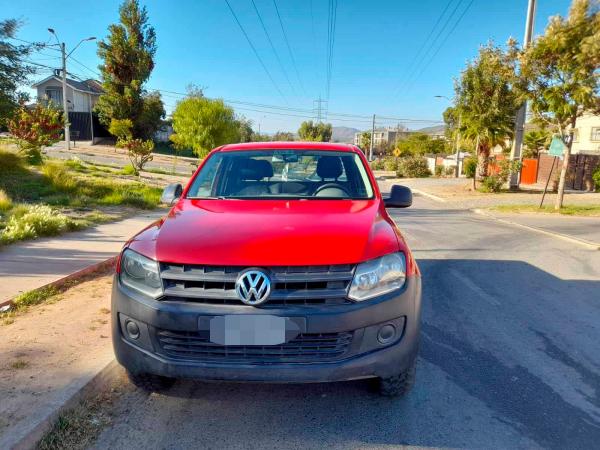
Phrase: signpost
{"type": "Point", "coordinates": [557, 148]}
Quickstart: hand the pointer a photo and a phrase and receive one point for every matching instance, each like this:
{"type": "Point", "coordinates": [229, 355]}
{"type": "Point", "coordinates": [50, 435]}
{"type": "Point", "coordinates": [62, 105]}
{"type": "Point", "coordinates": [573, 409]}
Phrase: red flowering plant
{"type": "Point", "coordinates": [34, 128]}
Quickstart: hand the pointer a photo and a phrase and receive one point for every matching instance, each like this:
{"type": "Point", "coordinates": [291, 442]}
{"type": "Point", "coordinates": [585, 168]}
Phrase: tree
{"type": "Point", "coordinates": [284, 136]}
{"type": "Point", "coordinates": [245, 129]}
{"type": "Point", "coordinates": [128, 60]}
{"type": "Point", "coordinates": [420, 144]}
{"type": "Point", "coordinates": [487, 101]}
{"type": "Point", "coordinates": [13, 70]}
{"type": "Point", "coordinates": [365, 141]}
{"type": "Point", "coordinates": [202, 124]}
{"type": "Point", "coordinates": [317, 132]}
{"type": "Point", "coordinates": [534, 141]}
{"type": "Point", "coordinates": [560, 74]}
{"type": "Point", "coordinates": [139, 152]}
{"type": "Point", "coordinates": [35, 128]}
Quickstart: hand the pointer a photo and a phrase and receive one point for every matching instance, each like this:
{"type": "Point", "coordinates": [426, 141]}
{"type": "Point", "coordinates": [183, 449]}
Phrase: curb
{"type": "Point", "coordinates": [583, 242]}
{"type": "Point", "coordinates": [75, 276]}
{"type": "Point", "coordinates": [99, 382]}
{"type": "Point", "coordinates": [428, 195]}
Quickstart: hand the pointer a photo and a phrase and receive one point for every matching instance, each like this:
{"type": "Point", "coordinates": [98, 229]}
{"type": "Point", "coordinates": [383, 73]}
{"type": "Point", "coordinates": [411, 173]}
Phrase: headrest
{"type": "Point", "coordinates": [329, 167]}
{"type": "Point", "coordinates": [255, 169]}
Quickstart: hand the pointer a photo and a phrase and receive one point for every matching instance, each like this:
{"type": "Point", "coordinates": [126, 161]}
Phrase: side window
{"type": "Point", "coordinates": [207, 178]}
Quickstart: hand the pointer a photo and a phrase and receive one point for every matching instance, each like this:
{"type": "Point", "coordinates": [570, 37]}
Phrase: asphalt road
{"type": "Point", "coordinates": [509, 359]}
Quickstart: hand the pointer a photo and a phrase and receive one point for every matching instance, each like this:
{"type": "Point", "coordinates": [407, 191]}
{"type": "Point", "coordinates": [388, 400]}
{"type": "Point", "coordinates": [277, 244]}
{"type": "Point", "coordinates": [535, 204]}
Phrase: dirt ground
{"type": "Point", "coordinates": [50, 346]}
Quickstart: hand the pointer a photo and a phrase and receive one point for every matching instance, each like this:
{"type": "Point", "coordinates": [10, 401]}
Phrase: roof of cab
{"type": "Point", "coordinates": [289, 145]}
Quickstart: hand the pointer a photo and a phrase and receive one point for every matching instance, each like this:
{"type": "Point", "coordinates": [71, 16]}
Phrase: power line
{"type": "Point", "coordinates": [272, 46]}
{"type": "Point", "coordinates": [430, 60]}
{"type": "Point", "coordinates": [287, 43]}
{"type": "Point", "coordinates": [425, 42]}
{"type": "Point", "coordinates": [95, 72]}
{"type": "Point", "coordinates": [410, 79]}
{"type": "Point", "coordinates": [254, 50]}
{"type": "Point", "coordinates": [331, 43]}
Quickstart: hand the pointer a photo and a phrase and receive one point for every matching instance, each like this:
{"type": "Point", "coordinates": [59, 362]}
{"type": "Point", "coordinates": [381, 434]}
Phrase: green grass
{"type": "Point", "coordinates": [62, 196]}
{"type": "Point", "coordinates": [568, 210]}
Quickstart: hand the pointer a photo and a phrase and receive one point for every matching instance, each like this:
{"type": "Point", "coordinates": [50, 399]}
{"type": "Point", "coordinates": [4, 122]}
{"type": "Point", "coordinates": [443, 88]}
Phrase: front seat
{"type": "Point", "coordinates": [329, 167]}
{"type": "Point", "coordinates": [251, 176]}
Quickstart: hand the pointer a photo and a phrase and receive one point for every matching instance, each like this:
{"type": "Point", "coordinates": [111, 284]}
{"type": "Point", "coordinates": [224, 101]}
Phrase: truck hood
{"type": "Point", "coordinates": [269, 233]}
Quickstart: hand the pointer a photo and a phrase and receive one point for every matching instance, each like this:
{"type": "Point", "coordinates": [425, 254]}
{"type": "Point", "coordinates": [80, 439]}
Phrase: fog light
{"type": "Point", "coordinates": [386, 334]}
{"type": "Point", "coordinates": [133, 331]}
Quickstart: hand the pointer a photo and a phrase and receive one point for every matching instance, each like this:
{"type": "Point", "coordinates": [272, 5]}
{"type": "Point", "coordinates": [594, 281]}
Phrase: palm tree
{"type": "Point", "coordinates": [487, 101]}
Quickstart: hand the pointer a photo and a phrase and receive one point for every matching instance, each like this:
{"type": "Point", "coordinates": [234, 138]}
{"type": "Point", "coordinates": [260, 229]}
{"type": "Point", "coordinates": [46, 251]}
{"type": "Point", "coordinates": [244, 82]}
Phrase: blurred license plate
{"type": "Point", "coordinates": [245, 329]}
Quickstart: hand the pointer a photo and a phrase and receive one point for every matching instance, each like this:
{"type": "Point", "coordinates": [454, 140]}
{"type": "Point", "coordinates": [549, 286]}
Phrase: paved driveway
{"type": "Point", "coordinates": [509, 359]}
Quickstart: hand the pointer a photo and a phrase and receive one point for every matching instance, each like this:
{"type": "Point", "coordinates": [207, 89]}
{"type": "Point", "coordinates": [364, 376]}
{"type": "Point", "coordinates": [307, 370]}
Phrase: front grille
{"type": "Point", "coordinates": [305, 348]}
{"type": "Point", "coordinates": [290, 285]}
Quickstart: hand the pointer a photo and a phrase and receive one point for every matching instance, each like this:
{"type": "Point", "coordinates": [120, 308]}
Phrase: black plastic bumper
{"type": "Point", "coordinates": [366, 357]}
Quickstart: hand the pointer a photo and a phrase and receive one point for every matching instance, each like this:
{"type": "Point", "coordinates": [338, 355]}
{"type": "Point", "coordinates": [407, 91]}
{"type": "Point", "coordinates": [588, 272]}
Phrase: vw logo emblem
{"type": "Point", "coordinates": [253, 287]}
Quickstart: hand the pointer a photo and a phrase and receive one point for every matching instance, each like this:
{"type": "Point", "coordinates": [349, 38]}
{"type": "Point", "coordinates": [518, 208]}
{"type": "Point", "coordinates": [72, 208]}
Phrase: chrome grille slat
{"type": "Point", "coordinates": [291, 285]}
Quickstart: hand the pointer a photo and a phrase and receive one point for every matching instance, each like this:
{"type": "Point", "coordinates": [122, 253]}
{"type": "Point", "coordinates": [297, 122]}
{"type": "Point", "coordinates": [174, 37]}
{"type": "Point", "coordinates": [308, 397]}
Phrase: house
{"type": "Point", "coordinates": [82, 96]}
{"type": "Point", "coordinates": [586, 140]}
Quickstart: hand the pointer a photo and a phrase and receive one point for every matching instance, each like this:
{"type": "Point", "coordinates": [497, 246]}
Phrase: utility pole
{"type": "Point", "coordinates": [64, 55]}
{"type": "Point", "coordinates": [319, 109]}
{"type": "Point", "coordinates": [372, 139]}
{"type": "Point", "coordinates": [64, 96]}
{"type": "Point", "coordinates": [457, 143]}
{"type": "Point", "coordinates": [516, 150]}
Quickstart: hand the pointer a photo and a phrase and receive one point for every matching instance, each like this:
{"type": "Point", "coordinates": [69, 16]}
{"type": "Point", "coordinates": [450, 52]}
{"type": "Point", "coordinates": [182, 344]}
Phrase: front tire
{"type": "Point", "coordinates": [398, 385]}
{"type": "Point", "coordinates": [150, 382]}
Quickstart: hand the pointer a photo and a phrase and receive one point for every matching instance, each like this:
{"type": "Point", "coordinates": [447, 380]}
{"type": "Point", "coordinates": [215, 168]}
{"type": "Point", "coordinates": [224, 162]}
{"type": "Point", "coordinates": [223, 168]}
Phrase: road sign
{"type": "Point", "coordinates": [557, 147]}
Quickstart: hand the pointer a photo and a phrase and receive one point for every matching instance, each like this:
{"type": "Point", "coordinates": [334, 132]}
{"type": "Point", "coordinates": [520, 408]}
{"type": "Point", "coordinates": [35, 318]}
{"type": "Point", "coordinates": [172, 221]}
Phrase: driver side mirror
{"type": "Point", "coordinates": [171, 193]}
{"type": "Point", "coordinates": [400, 197]}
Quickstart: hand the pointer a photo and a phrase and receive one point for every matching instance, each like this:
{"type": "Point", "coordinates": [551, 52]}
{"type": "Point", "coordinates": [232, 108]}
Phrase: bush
{"type": "Point", "coordinates": [470, 167]}
{"type": "Point", "coordinates": [413, 167]}
{"type": "Point", "coordinates": [390, 164]}
{"type": "Point", "coordinates": [5, 201]}
{"type": "Point", "coordinates": [596, 178]}
{"type": "Point", "coordinates": [377, 164]}
{"type": "Point", "coordinates": [449, 171]}
{"type": "Point", "coordinates": [30, 222]}
{"type": "Point", "coordinates": [139, 152]}
{"type": "Point", "coordinates": [128, 170]}
{"type": "Point", "coordinates": [439, 170]}
{"type": "Point", "coordinates": [35, 128]}
{"type": "Point", "coordinates": [492, 183]}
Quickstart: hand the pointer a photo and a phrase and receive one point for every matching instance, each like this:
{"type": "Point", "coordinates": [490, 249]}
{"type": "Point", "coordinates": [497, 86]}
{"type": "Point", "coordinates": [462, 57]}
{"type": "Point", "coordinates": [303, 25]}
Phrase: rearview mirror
{"type": "Point", "coordinates": [171, 193]}
{"type": "Point", "coordinates": [400, 197]}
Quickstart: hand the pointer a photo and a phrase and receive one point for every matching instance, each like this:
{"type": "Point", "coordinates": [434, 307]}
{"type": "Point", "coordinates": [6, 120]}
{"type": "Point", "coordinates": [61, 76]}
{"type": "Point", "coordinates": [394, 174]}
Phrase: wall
{"type": "Point", "coordinates": [583, 142]}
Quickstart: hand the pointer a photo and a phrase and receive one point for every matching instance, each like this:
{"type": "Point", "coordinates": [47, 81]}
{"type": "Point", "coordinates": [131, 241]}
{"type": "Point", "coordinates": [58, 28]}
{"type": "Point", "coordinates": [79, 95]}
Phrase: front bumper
{"type": "Point", "coordinates": [365, 356]}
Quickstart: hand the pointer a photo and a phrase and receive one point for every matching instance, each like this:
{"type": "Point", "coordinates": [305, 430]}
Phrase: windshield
{"type": "Point", "coordinates": [294, 174]}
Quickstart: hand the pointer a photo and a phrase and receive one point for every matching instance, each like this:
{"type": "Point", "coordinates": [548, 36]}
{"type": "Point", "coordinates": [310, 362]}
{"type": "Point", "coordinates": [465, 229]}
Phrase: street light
{"type": "Point", "coordinates": [64, 81]}
{"type": "Point", "coordinates": [457, 140]}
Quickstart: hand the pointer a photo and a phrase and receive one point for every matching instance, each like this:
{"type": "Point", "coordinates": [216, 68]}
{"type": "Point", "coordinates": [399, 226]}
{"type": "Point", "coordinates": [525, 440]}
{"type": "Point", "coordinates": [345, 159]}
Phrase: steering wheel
{"type": "Point", "coordinates": [331, 186]}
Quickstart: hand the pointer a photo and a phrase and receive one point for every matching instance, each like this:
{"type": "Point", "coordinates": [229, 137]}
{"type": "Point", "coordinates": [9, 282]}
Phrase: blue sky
{"type": "Point", "coordinates": [373, 68]}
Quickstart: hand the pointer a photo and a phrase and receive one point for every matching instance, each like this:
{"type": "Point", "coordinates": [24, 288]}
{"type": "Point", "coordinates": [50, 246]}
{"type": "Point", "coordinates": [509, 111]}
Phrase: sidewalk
{"type": "Point", "coordinates": [584, 229]}
{"type": "Point", "coordinates": [32, 264]}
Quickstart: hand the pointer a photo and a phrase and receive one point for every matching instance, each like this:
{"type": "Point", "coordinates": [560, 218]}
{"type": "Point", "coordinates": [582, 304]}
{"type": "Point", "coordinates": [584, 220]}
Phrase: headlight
{"type": "Point", "coordinates": [378, 276]}
{"type": "Point", "coordinates": [140, 273]}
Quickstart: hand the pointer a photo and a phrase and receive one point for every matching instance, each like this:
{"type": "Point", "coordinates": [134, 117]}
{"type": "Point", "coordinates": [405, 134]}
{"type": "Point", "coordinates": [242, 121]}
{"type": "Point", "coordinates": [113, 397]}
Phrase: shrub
{"type": "Point", "coordinates": [377, 164]}
{"type": "Point", "coordinates": [439, 170]}
{"type": "Point", "coordinates": [390, 164]}
{"type": "Point", "coordinates": [470, 167]}
{"type": "Point", "coordinates": [5, 201]}
{"type": "Point", "coordinates": [59, 177]}
{"type": "Point", "coordinates": [30, 222]}
{"type": "Point", "coordinates": [596, 178]}
{"type": "Point", "coordinates": [413, 167]}
{"type": "Point", "coordinates": [449, 171]}
{"type": "Point", "coordinates": [128, 170]}
{"type": "Point", "coordinates": [34, 128]}
{"type": "Point", "coordinates": [492, 183]}
{"type": "Point", "coordinates": [139, 152]}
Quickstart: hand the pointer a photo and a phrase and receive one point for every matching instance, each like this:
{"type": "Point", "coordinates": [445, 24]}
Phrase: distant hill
{"type": "Point", "coordinates": [436, 129]}
{"type": "Point", "coordinates": [343, 134]}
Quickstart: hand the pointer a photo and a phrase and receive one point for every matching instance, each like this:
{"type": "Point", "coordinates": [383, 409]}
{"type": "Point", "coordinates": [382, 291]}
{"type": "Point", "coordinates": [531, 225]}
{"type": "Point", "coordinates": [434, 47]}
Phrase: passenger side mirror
{"type": "Point", "coordinates": [400, 197]}
{"type": "Point", "coordinates": [171, 193]}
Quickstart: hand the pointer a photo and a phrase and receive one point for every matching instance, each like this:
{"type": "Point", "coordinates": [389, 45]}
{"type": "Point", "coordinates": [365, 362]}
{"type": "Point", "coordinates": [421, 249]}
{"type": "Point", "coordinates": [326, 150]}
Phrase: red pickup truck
{"type": "Point", "coordinates": [278, 262]}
